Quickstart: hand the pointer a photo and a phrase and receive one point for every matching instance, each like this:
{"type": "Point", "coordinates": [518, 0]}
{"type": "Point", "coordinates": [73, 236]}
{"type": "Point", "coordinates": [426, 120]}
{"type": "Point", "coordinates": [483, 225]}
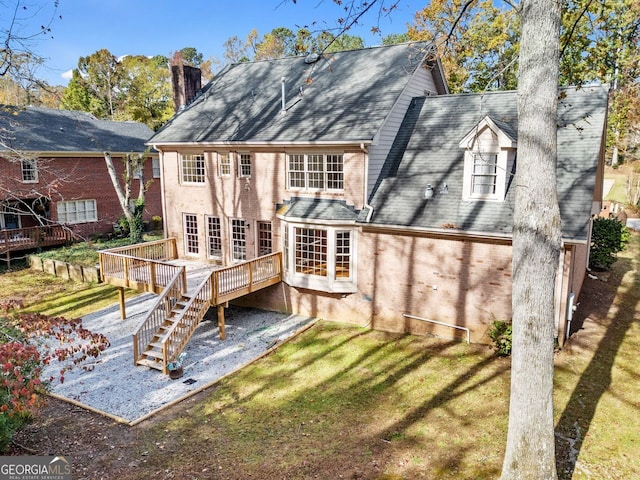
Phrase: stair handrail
{"type": "Point", "coordinates": [194, 310]}
{"type": "Point", "coordinates": [158, 312]}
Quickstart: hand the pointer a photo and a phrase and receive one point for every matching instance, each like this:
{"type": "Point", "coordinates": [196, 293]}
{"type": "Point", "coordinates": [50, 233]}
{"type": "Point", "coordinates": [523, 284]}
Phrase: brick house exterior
{"type": "Point", "coordinates": [53, 169]}
{"type": "Point", "coordinates": [386, 195]}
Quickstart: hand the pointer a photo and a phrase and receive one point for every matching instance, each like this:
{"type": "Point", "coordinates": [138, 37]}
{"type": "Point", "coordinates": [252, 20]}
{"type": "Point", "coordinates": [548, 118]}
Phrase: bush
{"type": "Point", "coordinates": [500, 333]}
{"type": "Point", "coordinates": [609, 236]}
{"type": "Point", "coordinates": [20, 388]}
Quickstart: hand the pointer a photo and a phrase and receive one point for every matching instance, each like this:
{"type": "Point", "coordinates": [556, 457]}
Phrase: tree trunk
{"type": "Point", "coordinates": [530, 450]}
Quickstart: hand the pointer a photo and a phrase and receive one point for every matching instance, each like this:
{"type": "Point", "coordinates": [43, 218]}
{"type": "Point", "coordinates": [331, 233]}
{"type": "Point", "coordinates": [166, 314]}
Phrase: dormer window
{"type": "Point", "coordinates": [489, 158]}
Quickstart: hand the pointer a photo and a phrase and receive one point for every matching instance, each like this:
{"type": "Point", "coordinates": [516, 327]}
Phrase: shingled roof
{"type": "Point", "coordinates": [427, 151]}
{"type": "Point", "coordinates": [34, 129]}
{"type": "Point", "coordinates": [342, 97]}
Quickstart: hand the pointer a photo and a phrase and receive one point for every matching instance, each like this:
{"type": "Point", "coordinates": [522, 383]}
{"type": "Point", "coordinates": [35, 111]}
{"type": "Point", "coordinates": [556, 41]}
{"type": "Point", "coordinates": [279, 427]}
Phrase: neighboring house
{"type": "Point", "coordinates": [54, 172]}
{"type": "Point", "coordinates": [386, 195]}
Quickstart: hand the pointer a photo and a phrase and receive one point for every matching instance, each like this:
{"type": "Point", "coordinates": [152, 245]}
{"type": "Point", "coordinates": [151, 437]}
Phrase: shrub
{"type": "Point", "coordinates": [20, 388]}
{"type": "Point", "coordinates": [500, 333]}
{"type": "Point", "coordinates": [609, 237]}
{"type": "Point", "coordinates": [156, 222]}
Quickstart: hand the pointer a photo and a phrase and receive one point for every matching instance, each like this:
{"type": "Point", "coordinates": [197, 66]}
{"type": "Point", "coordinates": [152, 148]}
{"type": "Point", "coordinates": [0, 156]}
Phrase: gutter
{"type": "Point", "coordinates": [452, 232]}
{"type": "Point", "coordinates": [228, 144]}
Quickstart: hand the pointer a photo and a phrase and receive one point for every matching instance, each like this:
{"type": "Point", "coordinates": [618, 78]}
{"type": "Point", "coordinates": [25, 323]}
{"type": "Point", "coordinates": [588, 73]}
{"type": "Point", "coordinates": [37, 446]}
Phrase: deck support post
{"type": "Point", "coordinates": [221, 326]}
{"type": "Point", "coordinates": [123, 313]}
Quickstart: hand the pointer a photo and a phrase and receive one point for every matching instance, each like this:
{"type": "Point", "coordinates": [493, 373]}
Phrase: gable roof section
{"type": "Point", "coordinates": [432, 130]}
{"type": "Point", "coordinates": [33, 129]}
{"type": "Point", "coordinates": [345, 97]}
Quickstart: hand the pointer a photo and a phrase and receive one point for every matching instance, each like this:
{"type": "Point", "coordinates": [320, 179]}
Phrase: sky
{"type": "Point", "coordinates": [161, 27]}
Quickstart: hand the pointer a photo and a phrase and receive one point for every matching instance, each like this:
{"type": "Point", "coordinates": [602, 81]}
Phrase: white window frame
{"type": "Point", "coordinates": [155, 166]}
{"type": "Point", "coordinates": [471, 161]}
{"type": "Point", "coordinates": [77, 211]}
{"type": "Point", "coordinates": [214, 236]}
{"type": "Point", "coordinates": [191, 235]}
{"type": "Point", "coordinates": [244, 165]}
{"type": "Point", "coordinates": [224, 164]}
{"type": "Point", "coordinates": [29, 167]}
{"type": "Point", "coordinates": [310, 175]}
{"type": "Point", "coordinates": [237, 243]}
{"type": "Point", "coordinates": [264, 237]}
{"type": "Point", "coordinates": [196, 164]}
{"type": "Point", "coordinates": [328, 278]}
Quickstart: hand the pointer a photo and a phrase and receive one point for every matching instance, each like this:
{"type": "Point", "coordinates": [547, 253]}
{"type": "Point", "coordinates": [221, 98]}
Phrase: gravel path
{"type": "Point", "coordinates": [118, 388]}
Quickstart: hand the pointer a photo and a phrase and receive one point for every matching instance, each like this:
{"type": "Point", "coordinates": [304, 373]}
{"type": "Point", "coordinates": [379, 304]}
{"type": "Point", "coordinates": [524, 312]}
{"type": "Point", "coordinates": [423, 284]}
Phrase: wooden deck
{"type": "Point", "coordinates": [33, 237]}
{"type": "Point", "coordinates": [168, 325]}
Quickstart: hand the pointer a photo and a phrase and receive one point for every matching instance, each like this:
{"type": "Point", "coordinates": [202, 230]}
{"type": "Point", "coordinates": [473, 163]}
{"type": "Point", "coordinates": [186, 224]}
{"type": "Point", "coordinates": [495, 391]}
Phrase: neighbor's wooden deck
{"type": "Point", "coordinates": [17, 239]}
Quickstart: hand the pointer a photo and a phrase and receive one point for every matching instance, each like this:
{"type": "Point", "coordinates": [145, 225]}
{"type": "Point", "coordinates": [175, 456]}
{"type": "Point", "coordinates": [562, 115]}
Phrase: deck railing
{"type": "Point", "coordinates": [165, 249]}
{"type": "Point", "coordinates": [159, 312]}
{"type": "Point", "coordinates": [176, 338]}
{"type": "Point", "coordinates": [33, 237]}
{"type": "Point", "coordinates": [238, 280]}
{"type": "Point", "coordinates": [142, 266]}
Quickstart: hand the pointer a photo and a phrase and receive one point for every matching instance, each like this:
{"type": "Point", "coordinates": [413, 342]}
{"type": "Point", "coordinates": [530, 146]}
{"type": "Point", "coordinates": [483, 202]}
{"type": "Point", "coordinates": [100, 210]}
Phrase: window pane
{"type": "Point", "coordinates": [224, 164]}
{"type": "Point", "coordinates": [315, 167]}
{"type": "Point", "coordinates": [190, 233]}
{"type": "Point", "coordinates": [296, 171]}
{"type": "Point", "coordinates": [77, 211]}
{"type": "Point", "coordinates": [311, 251]}
{"type": "Point", "coordinates": [483, 178]}
{"type": "Point", "coordinates": [193, 168]}
{"type": "Point", "coordinates": [238, 240]}
{"type": "Point", "coordinates": [335, 176]}
{"type": "Point", "coordinates": [265, 246]}
{"type": "Point", "coordinates": [245, 165]}
{"type": "Point", "coordinates": [214, 237]}
{"type": "Point", "coordinates": [29, 171]}
{"type": "Point", "coordinates": [343, 254]}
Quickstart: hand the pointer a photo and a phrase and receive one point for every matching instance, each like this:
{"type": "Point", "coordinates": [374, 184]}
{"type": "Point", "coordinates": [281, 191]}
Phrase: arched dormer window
{"type": "Point", "coordinates": [490, 150]}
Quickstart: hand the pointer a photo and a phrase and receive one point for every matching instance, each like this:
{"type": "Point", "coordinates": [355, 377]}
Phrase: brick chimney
{"type": "Point", "coordinates": [187, 81]}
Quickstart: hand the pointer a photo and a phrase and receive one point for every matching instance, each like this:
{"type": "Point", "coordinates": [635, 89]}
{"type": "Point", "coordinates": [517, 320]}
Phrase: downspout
{"type": "Point", "coordinates": [365, 203]}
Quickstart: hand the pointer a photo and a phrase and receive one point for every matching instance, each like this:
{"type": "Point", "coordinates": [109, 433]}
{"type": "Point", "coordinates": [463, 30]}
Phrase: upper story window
{"type": "Point", "coordinates": [318, 172]}
{"type": "Point", "coordinates": [77, 211]}
{"type": "Point", "coordinates": [484, 174]}
{"type": "Point", "coordinates": [244, 165]}
{"type": "Point", "coordinates": [489, 158]}
{"type": "Point", "coordinates": [224, 164]}
{"type": "Point", "coordinates": [192, 168]}
{"type": "Point", "coordinates": [29, 171]}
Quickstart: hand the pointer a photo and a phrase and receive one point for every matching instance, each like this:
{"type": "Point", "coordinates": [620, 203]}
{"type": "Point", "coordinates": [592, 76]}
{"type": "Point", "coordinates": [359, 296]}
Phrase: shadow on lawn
{"type": "Point", "coordinates": [578, 415]}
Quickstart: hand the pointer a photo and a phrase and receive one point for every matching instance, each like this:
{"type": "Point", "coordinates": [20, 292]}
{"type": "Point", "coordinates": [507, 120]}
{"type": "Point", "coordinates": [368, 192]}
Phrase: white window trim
{"type": "Point", "coordinates": [92, 219]}
{"type": "Point", "coordinates": [229, 162]}
{"type": "Point", "coordinates": [215, 257]}
{"type": "Point", "coordinates": [314, 282]}
{"type": "Point", "coordinates": [232, 240]}
{"type": "Point", "coordinates": [240, 164]}
{"type": "Point", "coordinates": [306, 172]}
{"type": "Point", "coordinates": [34, 164]}
{"type": "Point", "coordinates": [186, 237]}
{"type": "Point", "coordinates": [182, 157]}
{"type": "Point", "coordinates": [155, 167]}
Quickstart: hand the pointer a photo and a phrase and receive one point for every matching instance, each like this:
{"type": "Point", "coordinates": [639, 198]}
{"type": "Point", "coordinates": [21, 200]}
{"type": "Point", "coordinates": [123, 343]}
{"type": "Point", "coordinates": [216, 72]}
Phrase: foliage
{"type": "Point", "coordinates": [500, 334]}
{"type": "Point", "coordinates": [20, 387]}
{"type": "Point", "coordinates": [609, 236]}
{"type": "Point", "coordinates": [28, 342]}
{"type": "Point", "coordinates": [135, 87]}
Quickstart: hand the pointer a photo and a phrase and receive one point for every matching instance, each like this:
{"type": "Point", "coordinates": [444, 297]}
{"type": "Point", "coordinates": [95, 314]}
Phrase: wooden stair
{"type": "Point", "coordinates": [152, 355]}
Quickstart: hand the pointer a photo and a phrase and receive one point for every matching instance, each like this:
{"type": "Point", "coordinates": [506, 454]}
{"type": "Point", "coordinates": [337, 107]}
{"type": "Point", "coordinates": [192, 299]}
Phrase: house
{"type": "Point", "coordinates": [54, 172]}
{"type": "Point", "coordinates": [390, 199]}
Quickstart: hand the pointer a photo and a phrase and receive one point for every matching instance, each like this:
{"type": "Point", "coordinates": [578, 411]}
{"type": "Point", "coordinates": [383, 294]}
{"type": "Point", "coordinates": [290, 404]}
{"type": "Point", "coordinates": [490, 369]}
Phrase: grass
{"type": "Point", "coordinates": [618, 192]}
{"type": "Point", "coordinates": [341, 402]}
{"type": "Point", "coordinates": [43, 293]}
{"type": "Point", "coordinates": [86, 253]}
{"type": "Point", "coordinates": [344, 402]}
